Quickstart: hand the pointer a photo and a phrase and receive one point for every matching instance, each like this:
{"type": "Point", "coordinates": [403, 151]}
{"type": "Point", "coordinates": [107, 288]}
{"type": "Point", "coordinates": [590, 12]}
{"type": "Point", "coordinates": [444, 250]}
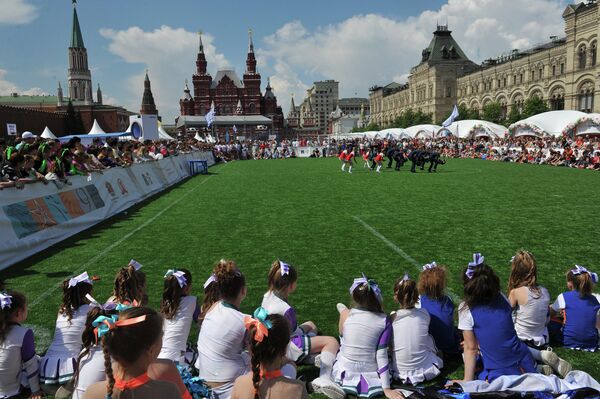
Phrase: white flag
{"type": "Point", "coordinates": [210, 116]}
{"type": "Point", "coordinates": [451, 118]}
{"type": "Point", "coordinates": [234, 129]}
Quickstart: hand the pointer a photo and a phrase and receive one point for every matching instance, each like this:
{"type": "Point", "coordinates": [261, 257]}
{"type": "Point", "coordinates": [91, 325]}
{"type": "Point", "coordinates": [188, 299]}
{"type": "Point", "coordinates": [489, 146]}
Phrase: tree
{"type": "Point", "coordinates": [514, 115]}
{"type": "Point", "coordinates": [492, 112]}
{"type": "Point", "coordinates": [534, 106]}
{"type": "Point", "coordinates": [73, 123]}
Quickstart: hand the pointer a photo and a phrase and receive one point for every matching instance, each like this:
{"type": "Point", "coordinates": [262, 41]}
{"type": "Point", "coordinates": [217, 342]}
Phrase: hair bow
{"type": "Point", "coordinates": [82, 278]}
{"type": "Point", "coordinates": [405, 278]}
{"type": "Point", "coordinates": [371, 285]}
{"type": "Point", "coordinates": [95, 303]}
{"type": "Point", "coordinates": [179, 275]}
{"type": "Point", "coordinates": [284, 268]}
{"type": "Point", "coordinates": [478, 260]}
{"type": "Point", "coordinates": [429, 266]}
{"type": "Point", "coordinates": [5, 300]}
{"type": "Point", "coordinates": [136, 265]}
{"type": "Point", "coordinates": [580, 270]}
{"type": "Point", "coordinates": [260, 322]}
{"type": "Point", "coordinates": [210, 280]}
{"type": "Point", "coordinates": [119, 307]}
{"type": "Point", "coordinates": [103, 324]}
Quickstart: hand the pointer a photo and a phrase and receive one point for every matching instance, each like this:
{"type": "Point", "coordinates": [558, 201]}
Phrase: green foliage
{"type": "Point", "coordinates": [514, 115]}
{"type": "Point", "coordinates": [301, 211]}
{"type": "Point", "coordinates": [534, 106]}
{"type": "Point", "coordinates": [411, 118]}
{"type": "Point", "coordinates": [369, 128]}
{"type": "Point", "coordinates": [492, 112]}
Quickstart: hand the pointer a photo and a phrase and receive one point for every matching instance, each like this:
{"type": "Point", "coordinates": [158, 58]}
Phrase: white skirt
{"type": "Point", "coordinates": [57, 369]}
{"type": "Point", "coordinates": [416, 376]}
{"type": "Point", "coordinates": [358, 379]}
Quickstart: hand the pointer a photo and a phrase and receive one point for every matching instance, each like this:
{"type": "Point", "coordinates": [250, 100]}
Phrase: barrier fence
{"type": "Point", "coordinates": [42, 215]}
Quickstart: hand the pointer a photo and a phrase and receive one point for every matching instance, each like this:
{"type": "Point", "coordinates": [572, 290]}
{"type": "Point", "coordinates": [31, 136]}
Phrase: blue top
{"type": "Point", "coordinates": [502, 351]}
{"type": "Point", "coordinates": [441, 326]}
{"type": "Point", "coordinates": [580, 321]}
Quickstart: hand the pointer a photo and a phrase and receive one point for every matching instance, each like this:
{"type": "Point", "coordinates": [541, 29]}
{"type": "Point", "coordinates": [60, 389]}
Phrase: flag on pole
{"type": "Point", "coordinates": [234, 129]}
{"type": "Point", "coordinates": [452, 117]}
{"type": "Point", "coordinates": [210, 116]}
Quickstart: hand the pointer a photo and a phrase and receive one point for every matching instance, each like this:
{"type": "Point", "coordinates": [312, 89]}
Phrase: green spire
{"type": "Point", "coordinates": [76, 38]}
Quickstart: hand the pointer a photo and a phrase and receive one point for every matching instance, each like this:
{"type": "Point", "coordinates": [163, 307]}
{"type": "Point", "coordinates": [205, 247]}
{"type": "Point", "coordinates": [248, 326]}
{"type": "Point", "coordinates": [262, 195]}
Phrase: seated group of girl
{"type": "Point", "coordinates": [114, 349]}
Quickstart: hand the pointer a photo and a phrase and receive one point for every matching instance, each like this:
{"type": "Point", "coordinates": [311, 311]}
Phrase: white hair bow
{"type": "Point", "coordinates": [82, 278]}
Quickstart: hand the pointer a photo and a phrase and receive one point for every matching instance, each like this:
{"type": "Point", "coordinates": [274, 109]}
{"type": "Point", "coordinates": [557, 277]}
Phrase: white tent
{"type": "Point", "coordinates": [472, 128]}
{"type": "Point", "coordinates": [422, 131]}
{"type": "Point", "coordinates": [96, 129]}
{"type": "Point", "coordinates": [47, 134]}
{"type": "Point", "coordinates": [393, 133]}
{"type": "Point", "coordinates": [553, 123]}
{"type": "Point", "coordinates": [163, 135]}
{"type": "Point", "coordinates": [586, 125]}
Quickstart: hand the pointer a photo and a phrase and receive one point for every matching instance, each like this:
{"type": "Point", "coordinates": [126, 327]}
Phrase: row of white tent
{"type": "Point", "coordinates": [552, 123]}
{"type": "Point", "coordinates": [96, 130]}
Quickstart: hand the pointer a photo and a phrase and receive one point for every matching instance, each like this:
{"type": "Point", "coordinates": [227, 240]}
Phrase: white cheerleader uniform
{"type": "Point", "coordinates": [176, 332]}
{"type": "Point", "coordinates": [221, 348]}
{"type": "Point", "coordinates": [362, 366]}
{"type": "Point", "coordinates": [531, 319]}
{"type": "Point", "coordinates": [299, 347]}
{"type": "Point", "coordinates": [414, 355]}
{"type": "Point", "coordinates": [91, 371]}
{"type": "Point", "coordinates": [15, 371]}
{"type": "Point", "coordinates": [59, 362]}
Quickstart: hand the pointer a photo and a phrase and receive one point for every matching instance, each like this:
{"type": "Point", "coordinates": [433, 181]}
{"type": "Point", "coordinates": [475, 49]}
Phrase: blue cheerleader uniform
{"type": "Point", "coordinates": [441, 326]}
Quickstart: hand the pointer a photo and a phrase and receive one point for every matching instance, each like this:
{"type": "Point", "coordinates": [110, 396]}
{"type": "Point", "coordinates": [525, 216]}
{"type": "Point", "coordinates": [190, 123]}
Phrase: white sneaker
{"type": "Point", "coordinates": [327, 388]}
{"type": "Point", "coordinates": [317, 362]}
{"type": "Point", "coordinates": [561, 366]}
{"type": "Point", "coordinates": [544, 369]}
{"type": "Point", "coordinates": [341, 307]}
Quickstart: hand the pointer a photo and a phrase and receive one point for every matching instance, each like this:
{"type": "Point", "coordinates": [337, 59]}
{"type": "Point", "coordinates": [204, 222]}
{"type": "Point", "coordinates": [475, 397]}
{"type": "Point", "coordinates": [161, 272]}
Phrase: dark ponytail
{"type": "Point", "coordinates": [582, 282]}
{"type": "Point", "coordinates": [482, 287]}
{"type": "Point", "coordinates": [129, 285]}
{"type": "Point", "coordinates": [272, 345]}
{"type": "Point", "coordinates": [73, 297]}
{"type": "Point", "coordinates": [18, 302]}
{"type": "Point", "coordinates": [172, 294]}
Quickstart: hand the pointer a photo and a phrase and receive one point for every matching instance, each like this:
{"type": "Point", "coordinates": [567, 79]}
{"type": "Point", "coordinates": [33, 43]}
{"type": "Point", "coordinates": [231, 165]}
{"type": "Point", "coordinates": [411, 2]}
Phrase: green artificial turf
{"type": "Point", "coordinates": [332, 226]}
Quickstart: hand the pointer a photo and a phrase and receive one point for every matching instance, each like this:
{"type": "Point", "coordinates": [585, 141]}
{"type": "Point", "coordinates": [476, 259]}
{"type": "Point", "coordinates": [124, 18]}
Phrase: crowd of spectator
{"type": "Point", "coordinates": [33, 159]}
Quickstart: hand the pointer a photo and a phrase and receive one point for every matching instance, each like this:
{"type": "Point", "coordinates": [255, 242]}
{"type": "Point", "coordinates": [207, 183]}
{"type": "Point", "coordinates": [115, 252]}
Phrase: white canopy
{"type": "Point", "coordinates": [96, 129]}
{"type": "Point", "coordinates": [473, 128]}
{"type": "Point", "coordinates": [586, 125]}
{"type": "Point", "coordinates": [163, 135]}
{"type": "Point", "coordinates": [553, 123]}
{"type": "Point", "coordinates": [422, 131]}
{"type": "Point", "coordinates": [47, 134]}
{"type": "Point", "coordinates": [393, 133]}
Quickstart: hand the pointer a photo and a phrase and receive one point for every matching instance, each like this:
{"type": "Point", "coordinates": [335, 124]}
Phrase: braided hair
{"type": "Point", "coordinates": [73, 297]}
{"type": "Point", "coordinates": [129, 285]}
{"type": "Point", "coordinates": [126, 345]}
{"type": "Point", "coordinates": [269, 349]}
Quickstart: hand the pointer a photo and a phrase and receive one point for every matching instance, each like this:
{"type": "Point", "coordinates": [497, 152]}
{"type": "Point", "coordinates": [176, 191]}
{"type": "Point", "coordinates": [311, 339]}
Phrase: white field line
{"type": "Point", "coordinates": [400, 252]}
{"type": "Point", "coordinates": [106, 250]}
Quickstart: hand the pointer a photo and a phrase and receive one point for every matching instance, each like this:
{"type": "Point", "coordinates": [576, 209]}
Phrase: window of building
{"type": "Point", "coordinates": [448, 91]}
{"type": "Point", "coordinates": [586, 100]}
{"type": "Point", "coordinates": [582, 57]}
{"type": "Point", "coordinates": [562, 68]}
{"type": "Point", "coordinates": [504, 81]}
{"type": "Point", "coordinates": [514, 79]}
{"type": "Point", "coordinates": [557, 103]}
{"type": "Point", "coordinates": [553, 70]}
{"type": "Point", "coordinates": [532, 75]}
{"type": "Point", "coordinates": [541, 73]}
{"type": "Point", "coordinates": [521, 78]}
{"type": "Point", "coordinates": [593, 50]}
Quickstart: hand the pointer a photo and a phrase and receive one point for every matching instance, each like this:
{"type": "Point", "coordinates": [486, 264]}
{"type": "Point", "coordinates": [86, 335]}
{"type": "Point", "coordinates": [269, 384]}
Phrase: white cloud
{"type": "Point", "coordinates": [169, 54]}
{"type": "Point", "coordinates": [17, 12]}
{"type": "Point", "coordinates": [365, 50]}
{"type": "Point", "coordinates": [7, 87]}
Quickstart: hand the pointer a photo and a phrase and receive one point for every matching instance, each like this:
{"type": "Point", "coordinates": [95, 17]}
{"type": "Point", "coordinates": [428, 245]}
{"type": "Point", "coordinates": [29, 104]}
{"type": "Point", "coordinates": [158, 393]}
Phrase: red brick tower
{"type": "Point", "coordinates": [201, 82]}
{"type": "Point", "coordinates": [186, 103]}
{"type": "Point", "coordinates": [252, 81]}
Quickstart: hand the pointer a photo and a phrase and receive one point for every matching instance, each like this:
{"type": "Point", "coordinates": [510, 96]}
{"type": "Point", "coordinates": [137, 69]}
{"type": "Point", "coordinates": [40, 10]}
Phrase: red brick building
{"type": "Point", "coordinates": [238, 102]}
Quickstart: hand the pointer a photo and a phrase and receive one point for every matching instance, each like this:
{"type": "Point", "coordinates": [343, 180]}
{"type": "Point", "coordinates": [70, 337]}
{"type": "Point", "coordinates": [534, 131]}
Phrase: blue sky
{"type": "Point", "coordinates": [358, 42]}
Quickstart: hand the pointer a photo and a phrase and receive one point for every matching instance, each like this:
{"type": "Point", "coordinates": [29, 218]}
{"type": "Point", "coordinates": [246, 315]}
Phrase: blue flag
{"type": "Point", "coordinates": [451, 118]}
